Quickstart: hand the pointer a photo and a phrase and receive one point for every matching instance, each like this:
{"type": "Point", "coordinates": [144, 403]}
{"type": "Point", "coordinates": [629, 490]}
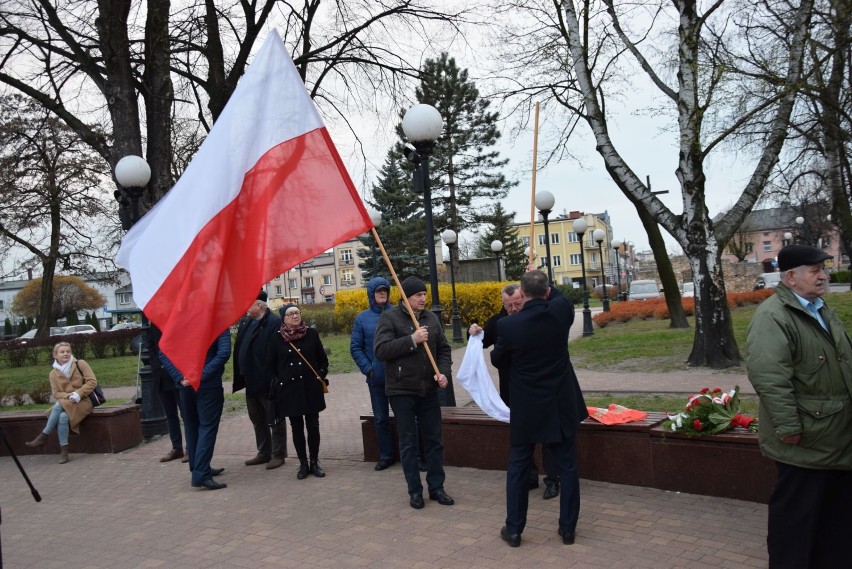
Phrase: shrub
{"type": "Point", "coordinates": [17, 355]}
{"type": "Point", "coordinates": [18, 396]}
{"type": "Point", "coordinates": [99, 343]}
{"type": "Point", "coordinates": [41, 393]}
{"type": "Point", "coordinates": [839, 276]}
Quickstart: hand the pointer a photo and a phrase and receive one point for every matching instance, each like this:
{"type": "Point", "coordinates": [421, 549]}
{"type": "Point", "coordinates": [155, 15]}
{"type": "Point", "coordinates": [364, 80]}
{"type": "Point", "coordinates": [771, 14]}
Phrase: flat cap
{"type": "Point", "coordinates": [793, 256]}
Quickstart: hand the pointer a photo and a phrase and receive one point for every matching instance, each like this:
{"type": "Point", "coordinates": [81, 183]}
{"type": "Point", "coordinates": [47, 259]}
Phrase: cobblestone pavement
{"type": "Point", "coordinates": [129, 510]}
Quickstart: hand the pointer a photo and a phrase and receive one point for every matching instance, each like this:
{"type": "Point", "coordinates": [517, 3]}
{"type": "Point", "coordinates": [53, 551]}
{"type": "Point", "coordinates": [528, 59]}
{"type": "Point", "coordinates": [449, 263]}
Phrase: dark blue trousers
{"type": "Point", "coordinates": [381, 413]}
{"type": "Point", "coordinates": [409, 410]}
{"type": "Point", "coordinates": [517, 490]}
{"type": "Point", "coordinates": [202, 411]}
{"type": "Point", "coordinates": [170, 407]}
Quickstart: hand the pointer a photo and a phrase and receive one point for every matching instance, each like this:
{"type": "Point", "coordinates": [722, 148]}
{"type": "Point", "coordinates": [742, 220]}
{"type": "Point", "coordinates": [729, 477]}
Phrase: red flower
{"type": "Point", "coordinates": [705, 389]}
{"type": "Point", "coordinates": [717, 390]}
{"type": "Point", "coordinates": [697, 424]}
{"type": "Point", "coordinates": [741, 421]}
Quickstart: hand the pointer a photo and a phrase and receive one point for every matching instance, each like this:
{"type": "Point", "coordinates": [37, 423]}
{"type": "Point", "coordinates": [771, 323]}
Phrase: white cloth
{"type": "Point", "coordinates": [474, 376]}
{"type": "Point", "coordinates": [64, 369]}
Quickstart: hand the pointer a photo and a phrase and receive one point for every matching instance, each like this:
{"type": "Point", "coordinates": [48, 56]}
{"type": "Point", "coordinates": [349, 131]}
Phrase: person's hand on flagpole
{"type": "Point", "coordinates": [421, 335]}
{"type": "Point", "coordinates": [442, 380]}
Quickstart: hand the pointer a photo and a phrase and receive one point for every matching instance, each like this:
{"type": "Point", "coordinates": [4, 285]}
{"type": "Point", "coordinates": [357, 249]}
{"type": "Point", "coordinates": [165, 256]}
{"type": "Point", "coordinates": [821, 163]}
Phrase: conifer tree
{"type": "Point", "coordinates": [501, 228]}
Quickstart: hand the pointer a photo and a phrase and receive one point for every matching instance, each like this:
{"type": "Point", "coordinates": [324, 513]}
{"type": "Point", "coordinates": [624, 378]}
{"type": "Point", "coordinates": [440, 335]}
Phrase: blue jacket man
{"type": "Point", "coordinates": [202, 410]}
{"type": "Point", "coordinates": [361, 348]}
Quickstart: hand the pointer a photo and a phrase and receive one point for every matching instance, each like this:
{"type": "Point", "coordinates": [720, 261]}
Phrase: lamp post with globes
{"type": "Point", "coordinates": [496, 247]}
{"type": "Point", "coordinates": [376, 218]}
{"type": "Point", "coordinates": [544, 202]}
{"type": "Point", "coordinates": [422, 125]}
{"type": "Point", "coordinates": [616, 244]}
{"type": "Point", "coordinates": [133, 174]}
{"type": "Point", "coordinates": [580, 227]}
{"type": "Point", "coordinates": [599, 236]}
{"type": "Point", "coordinates": [449, 237]}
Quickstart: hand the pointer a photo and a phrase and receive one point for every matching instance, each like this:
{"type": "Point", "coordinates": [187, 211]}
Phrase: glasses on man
{"type": "Point", "coordinates": [294, 313]}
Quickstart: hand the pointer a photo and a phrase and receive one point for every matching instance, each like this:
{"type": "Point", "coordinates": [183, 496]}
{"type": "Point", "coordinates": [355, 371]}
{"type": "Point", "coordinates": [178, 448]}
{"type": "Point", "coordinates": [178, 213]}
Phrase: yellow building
{"type": "Point", "coordinates": [565, 250]}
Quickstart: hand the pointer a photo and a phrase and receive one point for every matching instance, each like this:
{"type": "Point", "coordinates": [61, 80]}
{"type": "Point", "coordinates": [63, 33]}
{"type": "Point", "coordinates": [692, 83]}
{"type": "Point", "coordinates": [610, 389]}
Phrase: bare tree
{"type": "Point", "coordinates": [579, 55]}
{"type": "Point", "coordinates": [52, 197]}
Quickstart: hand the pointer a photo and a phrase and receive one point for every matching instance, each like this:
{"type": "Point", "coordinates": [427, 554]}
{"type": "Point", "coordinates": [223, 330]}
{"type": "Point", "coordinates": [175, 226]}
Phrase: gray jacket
{"type": "Point", "coordinates": [407, 367]}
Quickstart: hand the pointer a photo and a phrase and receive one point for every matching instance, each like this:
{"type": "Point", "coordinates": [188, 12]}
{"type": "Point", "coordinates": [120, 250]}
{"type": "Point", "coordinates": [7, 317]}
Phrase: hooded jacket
{"type": "Point", "coordinates": [803, 375]}
{"type": "Point", "coordinates": [364, 332]}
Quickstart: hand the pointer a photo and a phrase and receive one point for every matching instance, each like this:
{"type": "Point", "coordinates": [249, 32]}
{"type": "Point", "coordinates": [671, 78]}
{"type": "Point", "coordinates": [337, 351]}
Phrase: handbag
{"type": "Point", "coordinates": [323, 382]}
{"type": "Point", "coordinates": [96, 397]}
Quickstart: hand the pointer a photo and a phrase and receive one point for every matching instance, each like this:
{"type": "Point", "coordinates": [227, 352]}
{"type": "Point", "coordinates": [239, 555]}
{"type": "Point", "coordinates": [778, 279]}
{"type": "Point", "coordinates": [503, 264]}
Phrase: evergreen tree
{"type": "Point", "coordinates": [7, 327]}
{"type": "Point", "coordinates": [501, 228]}
{"type": "Point", "coordinates": [73, 319]}
{"type": "Point", "coordinates": [402, 227]}
{"type": "Point", "coordinates": [464, 167]}
{"type": "Point", "coordinates": [22, 327]}
{"type": "Point", "coordinates": [30, 324]}
{"type": "Point", "coordinates": [95, 322]}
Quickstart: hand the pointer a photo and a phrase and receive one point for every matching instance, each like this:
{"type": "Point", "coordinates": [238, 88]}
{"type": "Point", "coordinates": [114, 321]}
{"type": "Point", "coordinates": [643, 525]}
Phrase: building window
{"type": "Point", "coordinates": [749, 247]}
{"type": "Point", "coordinates": [277, 290]}
{"type": "Point", "coordinates": [526, 241]}
{"type": "Point", "coordinates": [346, 255]}
{"type": "Point", "coordinates": [557, 261]}
{"type": "Point", "coordinates": [326, 279]}
{"type": "Point", "coordinates": [309, 282]}
{"type": "Point", "coordinates": [123, 298]}
{"type": "Point", "coordinates": [292, 283]}
{"type": "Point", "coordinates": [767, 246]}
{"type": "Point", "coordinates": [1, 305]}
{"type": "Point", "coordinates": [329, 299]}
{"type": "Point", "coordinates": [347, 276]}
{"type": "Point", "coordinates": [541, 239]}
{"type": "Point", "coordinates": [554, 239]}
{"type": "Point", "coordinates": [574, 258]}
{"type": "Point", "coordinates": [572, 237]}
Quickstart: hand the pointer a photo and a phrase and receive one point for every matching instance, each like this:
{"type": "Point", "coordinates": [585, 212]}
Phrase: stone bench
{"type": "Point", "coordinates": [638, 454]}
{"type": "Point", "coordinates": [109, 429]}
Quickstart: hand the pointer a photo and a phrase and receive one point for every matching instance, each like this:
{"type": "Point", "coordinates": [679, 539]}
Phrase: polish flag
{"type": "Point", "coordinates": [266, 191]}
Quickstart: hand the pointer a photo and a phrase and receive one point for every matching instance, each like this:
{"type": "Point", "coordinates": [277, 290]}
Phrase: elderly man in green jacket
{"type": "Point", "coordinates": [800, 363]}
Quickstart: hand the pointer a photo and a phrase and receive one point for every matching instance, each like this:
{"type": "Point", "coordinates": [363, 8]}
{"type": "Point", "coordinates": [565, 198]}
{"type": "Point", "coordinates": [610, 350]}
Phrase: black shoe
{"type": "Point", "coordinates": [303, 471]}
{"type": "Point", "coordinates": [416, 501]}
{"type": "Point", "coordinates": [210, 484]}
{"type": "Point", "coordinates": [216, 471]}
{"type": "Point", "coordinates": [316, 469]}
{"type": "Point", "coordinates": [383, 464]}
{"type": "Point", "coordinates": [567, 538]}
{"type": "Point", "coordinates": [551, 489]}
{"type": "Point", "coordinates": [513, 539]}
{"type": "Point", "coordinates": [441, 497]}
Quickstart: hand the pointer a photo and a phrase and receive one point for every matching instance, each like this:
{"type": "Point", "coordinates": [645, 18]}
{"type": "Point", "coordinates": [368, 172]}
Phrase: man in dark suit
{"type": "Point", "coordinates": [250, 349]}
{"type": "Point", "coordinates": [547, 404]}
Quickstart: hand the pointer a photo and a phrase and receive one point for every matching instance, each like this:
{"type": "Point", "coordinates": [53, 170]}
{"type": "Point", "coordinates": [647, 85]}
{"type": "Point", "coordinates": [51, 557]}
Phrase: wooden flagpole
{"type": "Point", "coordinates": [531, 257]}
{"type": "Point", "coordinates": [402, 295]}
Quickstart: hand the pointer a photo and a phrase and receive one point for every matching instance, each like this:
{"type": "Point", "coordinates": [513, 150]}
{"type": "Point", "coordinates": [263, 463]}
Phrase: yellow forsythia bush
{"type": "Point", "coordinates": [477, 301]}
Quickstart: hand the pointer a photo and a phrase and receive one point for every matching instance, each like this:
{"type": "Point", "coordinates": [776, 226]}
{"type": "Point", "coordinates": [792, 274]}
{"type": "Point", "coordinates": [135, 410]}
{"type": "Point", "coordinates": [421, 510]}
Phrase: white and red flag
{"type": "Point", "coordinates": [266, 191]}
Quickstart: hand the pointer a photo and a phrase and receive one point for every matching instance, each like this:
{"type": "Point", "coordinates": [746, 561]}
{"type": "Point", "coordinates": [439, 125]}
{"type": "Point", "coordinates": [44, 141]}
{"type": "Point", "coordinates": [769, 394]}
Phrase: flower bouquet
{"type": "Point", "coordinates": [710, 412]}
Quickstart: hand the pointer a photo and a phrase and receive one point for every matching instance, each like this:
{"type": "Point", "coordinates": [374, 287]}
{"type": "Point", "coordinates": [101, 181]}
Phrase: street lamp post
{"type": "Point", "coordinates": [616, 244]}
{"type": "Point", "coordinates": [544, 202]}
{"type": "Point", "coordinates": [422, 125]}
{"type": "Point", "coordinates": [496, 247]}
{"type": "Point", "coordinates": [599, 236]}
{"type": "Point", "coordinates": [376, 218]}
{"type": "Point", "coordinates": [800, 222]}
{"type": "Point", "coordinates": [133, 174]}
{"type": "Point", "coordinates": [580, 227]}
{"type": "Point", "coordinates": [449, 237]}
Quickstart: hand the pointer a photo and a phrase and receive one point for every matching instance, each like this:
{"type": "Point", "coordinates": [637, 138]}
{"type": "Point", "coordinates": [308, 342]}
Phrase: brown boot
{"type": "Point", "coordinates": [37, 442]}
{"type": "Point", "coordinates": [63, 454]}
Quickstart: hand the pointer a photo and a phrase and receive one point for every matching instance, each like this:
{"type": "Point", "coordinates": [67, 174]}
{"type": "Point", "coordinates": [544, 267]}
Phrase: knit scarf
{"type": "Point", "coordinates": [291, 335]}
{"type": "Point", "coordinates": [64, 369]}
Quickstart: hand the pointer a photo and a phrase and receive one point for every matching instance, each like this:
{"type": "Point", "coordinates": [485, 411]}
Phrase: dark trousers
{"type": "Point", "coordinates": [170, 407]}
{"type": "Point", "coordinates": [201, 411]}
{"type": "Point", "coordinates": [297, 425]}
{"type": "Point", "coordinates": [809, 518]}
{"type": "Point", "coordinates": [271, 441]}
{"type": "Point", "coordinates": [409, 410]}
{"type": "Point", "coordinates": [551, 472]}
{"type": "Point", "coordinates": [517, 493]}
{"type": "Point", "coordinates": [381, 413]}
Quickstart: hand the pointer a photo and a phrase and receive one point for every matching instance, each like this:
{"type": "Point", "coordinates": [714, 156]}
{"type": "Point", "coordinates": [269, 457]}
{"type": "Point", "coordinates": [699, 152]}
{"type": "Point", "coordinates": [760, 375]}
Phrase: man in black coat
{"type": "Point", "coordinates": [547, 404]}
{"type": "Point", "coordinates": [250, 349]}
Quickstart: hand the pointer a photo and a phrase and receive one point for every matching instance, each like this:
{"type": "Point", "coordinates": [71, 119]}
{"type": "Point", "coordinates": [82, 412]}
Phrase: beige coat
{"type": "Point", "coordinates": [82, 381]}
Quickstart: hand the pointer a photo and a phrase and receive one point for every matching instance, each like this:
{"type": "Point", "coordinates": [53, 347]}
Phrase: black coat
{"type": "Point", "coordinates": [546, 399]}
{"type": "Point", "coordinates": [250, 367]}
{"type": "Point", "coordinates": [489, 338]}
{"type": "Point", "coordinates": [298, 392]}
{"type": "Point", "coordinates": [161, 379]}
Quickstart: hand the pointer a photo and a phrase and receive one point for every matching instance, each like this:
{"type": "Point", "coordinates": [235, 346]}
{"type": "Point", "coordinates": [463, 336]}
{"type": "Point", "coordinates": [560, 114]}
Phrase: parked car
{"type": "Point", "coordinates": [644, 289]}
{"type": "Point", "coordinates": [78, 329]}
{"type": "Point", "coordinates": [767, 280]}
{"type": "Point", "coordinates": [688, 290]}
{"type": "Point", "coordinates": [125, 326]}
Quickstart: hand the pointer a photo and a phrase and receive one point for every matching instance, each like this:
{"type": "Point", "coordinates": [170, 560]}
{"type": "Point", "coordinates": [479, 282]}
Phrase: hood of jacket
{"type": "Point", "coordinates": [372, 285]}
